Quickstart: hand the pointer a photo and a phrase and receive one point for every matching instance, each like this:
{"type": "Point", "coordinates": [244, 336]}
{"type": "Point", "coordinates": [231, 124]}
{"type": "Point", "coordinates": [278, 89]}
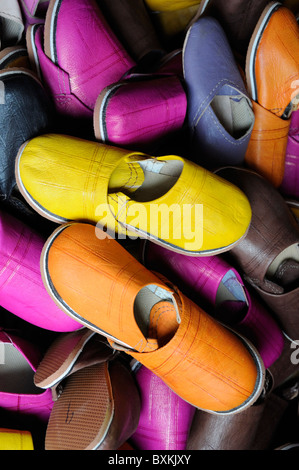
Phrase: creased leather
{"type": "Point", "coordinates": [55, 80]}
{"type": "Point", "coordinates": [165, 418]}
{"type": "Point", "coordinates": [26, 112]}
{"type": "Point", "coordinates": [237, 432]}
{"type": "Point", "coordinates": [139, 113]}
{"type": "Point", "coordinates": [81, 192]}
{"type": "Point", "coordinates": [253, 429]}
{"type": "Point", "coordinates": [92, 60]}
{"type": "Point", "coordinates": [277, 62]}
{"type": "Point", "coordinates": [21, 286]}
{"type": "Point", "coordinates": [267, 147]}
{"type": "Point", "coordinates": [273, 80]}
{"type": "Point", "coordinates": [205, 376]}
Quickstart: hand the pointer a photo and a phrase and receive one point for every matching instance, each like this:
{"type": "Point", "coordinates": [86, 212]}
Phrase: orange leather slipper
{"type": "Point", "coordinates": [97, 282]}
{"type": "Point", "coordinates": [272, 75]}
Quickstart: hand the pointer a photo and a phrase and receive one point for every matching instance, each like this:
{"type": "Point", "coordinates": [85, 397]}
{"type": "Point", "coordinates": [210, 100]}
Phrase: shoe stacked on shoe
{"type": "Point", "coordinates": [149, 261]}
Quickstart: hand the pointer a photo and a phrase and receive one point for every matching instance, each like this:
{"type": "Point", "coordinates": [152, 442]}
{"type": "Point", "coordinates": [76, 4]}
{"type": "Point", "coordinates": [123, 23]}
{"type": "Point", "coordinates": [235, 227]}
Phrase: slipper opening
{"type": "Point", "coordinates": [146, 180]}
{"type": "Point", "coordinates": [231, 300]}
{"type": "Point", "coordinates": [234, 111]}
{"type": "Point", "coordinates": [284, 270]}
{"type": "Point", "coordinates": [156, 314]}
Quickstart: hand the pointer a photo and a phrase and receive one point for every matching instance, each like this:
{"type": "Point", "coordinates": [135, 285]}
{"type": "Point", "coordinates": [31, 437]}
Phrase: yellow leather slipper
{"type": "Point", "coordinates": [168, 200]}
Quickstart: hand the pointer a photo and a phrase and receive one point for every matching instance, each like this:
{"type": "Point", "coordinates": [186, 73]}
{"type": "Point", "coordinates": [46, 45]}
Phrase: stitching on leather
{"type": "Point", "coordinates": [127, 184]}
{"type": "Point", "coordinates": [256, 282]}
{"type": "Point", "coordinates": [118, 52]}
{"type": "Point", "coordinates": [276, 111]}
{"type": "Point", "coordinates": [233, 142]}
{"type": "Point", "coordinates": [18, 262]}
{"type": "Point", "coordinates": [136, 175]}
{"type": "Point", "coordinates": [159, 312]}
{"type": "Point", "coordinates": [199, 112]}
{"type": "Point", "coordinates": [273, 131]}
{"type": "Point", "coordinates": [124, 207]}
{"type": "Point", "coordinates": [151, 344]}
{"type": "Point", "coordinates": [285, 268]}
{"type": "Point", "coordinates": [89, 177]}
{"type": "Point", "coordinates": [97, 177]}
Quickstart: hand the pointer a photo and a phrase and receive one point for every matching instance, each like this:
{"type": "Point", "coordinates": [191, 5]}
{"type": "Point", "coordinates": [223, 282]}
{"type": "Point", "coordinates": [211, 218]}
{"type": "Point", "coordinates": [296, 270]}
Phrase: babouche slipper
{"type": "Point", "coordinates": [22, 290]}
{"type": "Point", "coordinates": [97, 402]}
{"type": "Point", "coordinates": [205, 363]}
{"type": "Point", "coordinates": [75, 71]}
{"type": "Point", "coordinates": [220, 118]}
{"type": "Point", "coordinates": [272, 75]}
{"type": "Point", "coordinates": [167, 199]}
{"type": "Point", "coordinates": [140, 111]}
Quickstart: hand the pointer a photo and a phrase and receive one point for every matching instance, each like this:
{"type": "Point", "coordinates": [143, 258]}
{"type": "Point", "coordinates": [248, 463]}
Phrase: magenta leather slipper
{"type": "Point", "coordinates": [165, 418]}
{"type": "Point", "coordinates": [22, 291]}
{"type": "Point", "coordinates": [76, 70]}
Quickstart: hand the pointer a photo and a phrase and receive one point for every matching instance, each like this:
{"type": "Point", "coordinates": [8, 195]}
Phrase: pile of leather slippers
{"type": "Point", "coordinates": [149, 225]}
